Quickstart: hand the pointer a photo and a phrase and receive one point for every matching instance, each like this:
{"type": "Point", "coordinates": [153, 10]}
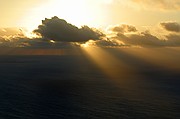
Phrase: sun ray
{"type": "Point", "coordinates": [164, 58]}
{"type": "Point", "coordinates": [109, 64]}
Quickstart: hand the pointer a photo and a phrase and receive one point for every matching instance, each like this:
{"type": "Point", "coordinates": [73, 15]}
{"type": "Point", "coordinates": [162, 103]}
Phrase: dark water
{"type": "Point", "coordinates": [73, 87]}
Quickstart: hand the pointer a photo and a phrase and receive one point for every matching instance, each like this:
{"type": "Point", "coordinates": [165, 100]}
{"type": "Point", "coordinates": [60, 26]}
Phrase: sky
{"type": "Point", "coordinates": [147, 22]}
{"type": "Point", "coordinates": [29, 13]}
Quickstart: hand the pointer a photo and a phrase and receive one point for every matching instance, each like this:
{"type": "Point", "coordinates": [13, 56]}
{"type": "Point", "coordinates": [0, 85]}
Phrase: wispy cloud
{"type": "Point", "coordinates": [158, 4]}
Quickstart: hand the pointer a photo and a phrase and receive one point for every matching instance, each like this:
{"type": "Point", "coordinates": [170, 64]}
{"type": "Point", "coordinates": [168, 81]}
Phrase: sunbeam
{"type": "Point", "coordinates": [164, 58]}
{"type": "Point", "coordinates": [118, 71]}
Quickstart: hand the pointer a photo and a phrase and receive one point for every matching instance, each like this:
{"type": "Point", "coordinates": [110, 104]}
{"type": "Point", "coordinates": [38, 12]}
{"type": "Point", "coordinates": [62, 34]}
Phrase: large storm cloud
{"type": "Point", "coordinates": [59, 30]}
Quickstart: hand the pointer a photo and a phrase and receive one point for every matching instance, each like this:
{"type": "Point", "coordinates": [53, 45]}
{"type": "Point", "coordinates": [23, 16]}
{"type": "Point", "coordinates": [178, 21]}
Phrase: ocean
{"type": "Point", "coordinates": [81, 87]}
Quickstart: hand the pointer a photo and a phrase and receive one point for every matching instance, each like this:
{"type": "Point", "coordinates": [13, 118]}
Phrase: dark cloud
{"type": "Point", "coordinates": [171, 26]}
{"type": "Point", "coordinates": [123, 28]}
{"type": "Point", "coordinates": [145, 39]}
{"type": "Point", "coordinates": [40, 43]}
{"type": "Point", "coordinates": [14, 41]}
{"type": "Point", "coordinates": [109, 43]}
{"type": "Point", "coordinates": [59, 30]}
{"type": "Point", "coordinates": [58, 34]}
{"type": "Point", "coordinates": [173, 40]}
{"type": "Point", "coordinates": [142, 39]}
{"type": "Point", "coordinates": [33, 43]}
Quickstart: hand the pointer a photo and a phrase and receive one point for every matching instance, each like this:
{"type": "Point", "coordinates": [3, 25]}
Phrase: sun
{"type": "Point", "coordinates": [76, 12]}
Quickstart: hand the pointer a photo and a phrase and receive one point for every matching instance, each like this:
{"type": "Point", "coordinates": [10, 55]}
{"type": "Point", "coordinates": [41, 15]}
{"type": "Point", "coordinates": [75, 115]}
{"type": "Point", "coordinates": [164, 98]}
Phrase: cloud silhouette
{"type": "Point", "coordinates": [173, 40]}
{"type": "Point", "coordinates": [171, 26]}
{"type": "Point", "coordinates": [65, 35]}
{"type": "Point", "coordinates": [14, 41]}
{"type": "Point", "coordinates": [144, 39]}
{"type": "Point", "coordinates": [109, 43]}
{"type": "Point", "coordinates": [128, 35]}
{"type": "Point", "coordinates": [123, 28]}
{"type": "Point", "coordinates": [33, 43]}
{"type": "Point", "coordinates": [59, 30]}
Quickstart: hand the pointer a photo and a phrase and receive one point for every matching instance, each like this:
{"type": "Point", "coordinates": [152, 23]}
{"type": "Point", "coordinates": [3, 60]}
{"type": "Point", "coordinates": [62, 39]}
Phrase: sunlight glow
{"type": "Point", "coordinates": [85, 45]}
{"type": "Point", "coordinates": [52, 41]}
{"type": "Point", "coordinates": [29, 34]}
{"type": "Point", "coordinates": [90, 43]}
{"type": "Point", "coordinates": [78, 12]}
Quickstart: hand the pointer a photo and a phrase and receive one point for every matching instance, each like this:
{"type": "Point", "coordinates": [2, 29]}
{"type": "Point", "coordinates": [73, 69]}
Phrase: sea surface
{"type": "Point", "coordinates": [80, 87]}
